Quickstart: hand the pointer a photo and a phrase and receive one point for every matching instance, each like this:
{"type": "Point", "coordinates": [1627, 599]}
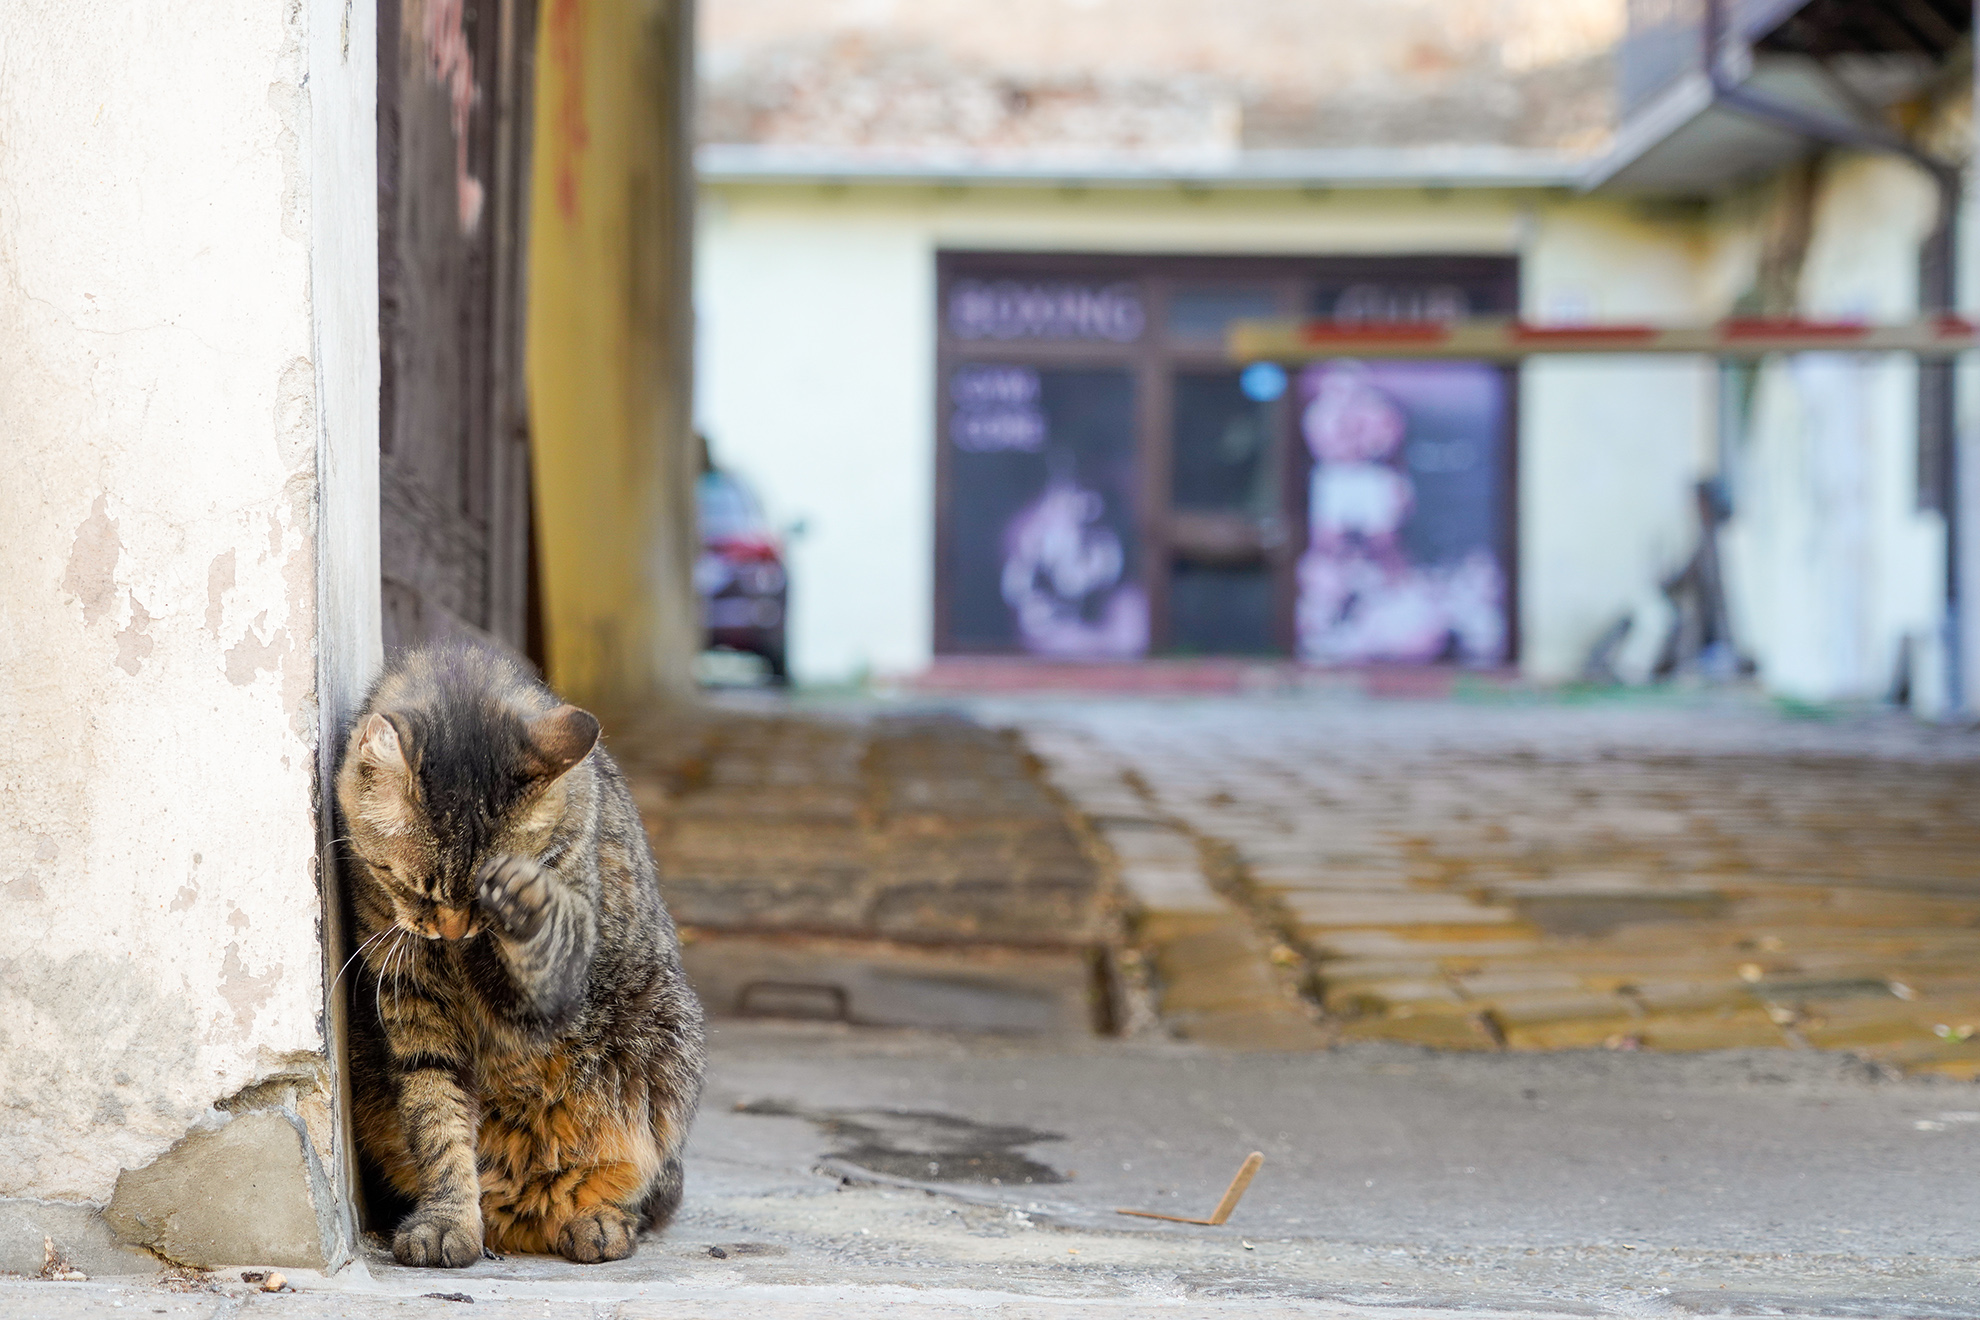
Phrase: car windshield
{"type": "Point", "coordinates": [727, 509]}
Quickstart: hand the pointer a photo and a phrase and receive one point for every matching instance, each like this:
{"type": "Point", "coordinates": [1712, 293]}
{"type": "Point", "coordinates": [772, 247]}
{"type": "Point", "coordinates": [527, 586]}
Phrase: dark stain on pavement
{"type": "Point", "coordinates": [924, 1145]}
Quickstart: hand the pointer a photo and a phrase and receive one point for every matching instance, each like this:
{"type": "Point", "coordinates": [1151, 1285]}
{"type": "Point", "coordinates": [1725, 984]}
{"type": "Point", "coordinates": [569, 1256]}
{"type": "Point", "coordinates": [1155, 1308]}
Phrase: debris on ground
{"type": "Point", "coordinates": [56, 1266]}
{"type": "Point", "coordinates": [1232, 1195]}
{"type": "Point", "coordinates": [186, 1279]}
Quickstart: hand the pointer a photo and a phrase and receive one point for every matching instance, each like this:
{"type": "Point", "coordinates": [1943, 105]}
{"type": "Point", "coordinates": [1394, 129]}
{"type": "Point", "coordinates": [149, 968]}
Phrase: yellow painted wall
{"type": "Point", "coordinates": [609, 347]}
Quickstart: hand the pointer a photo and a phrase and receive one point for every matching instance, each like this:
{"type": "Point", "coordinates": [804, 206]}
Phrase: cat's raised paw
{"type": "Point", "coordinates": [516, 892]}
{"type": "Point", "coordinates": [604, 1232]}
{"type": "Point", "coordinates": [432, 1239]}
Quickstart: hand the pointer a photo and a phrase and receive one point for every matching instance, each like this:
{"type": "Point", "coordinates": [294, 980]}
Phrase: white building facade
{"type": "Point", "coordinates": [829, 353]}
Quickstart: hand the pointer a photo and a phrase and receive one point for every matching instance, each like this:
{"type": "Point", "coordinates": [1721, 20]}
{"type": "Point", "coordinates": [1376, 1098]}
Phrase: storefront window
{"type": "Point", "coordinates": [1111, 485]}
{"type": "Point", "coordinates": [1043, 545]}
{"type": "Point", "coordinates": [1403, 513]}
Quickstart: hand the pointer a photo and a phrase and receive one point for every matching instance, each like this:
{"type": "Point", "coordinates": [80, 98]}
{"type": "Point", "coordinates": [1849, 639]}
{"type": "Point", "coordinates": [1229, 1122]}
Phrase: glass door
{"type": "Point", "coordinates": [1224, 524]}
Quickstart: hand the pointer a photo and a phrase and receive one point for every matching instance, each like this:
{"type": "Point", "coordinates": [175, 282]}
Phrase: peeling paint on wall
{"type": "Point", "coordinates": [251, 656]}
{"type": "Point", "coordinates": [219, 581]}
{"type": "Point", "coordinates": [132, 644]}
{"type": "Point", "coordinates": [245, 992]}
{"type": "Point", "coordinates": [92, 575]}
{"type": "Point", "coordinates": [572, 131]}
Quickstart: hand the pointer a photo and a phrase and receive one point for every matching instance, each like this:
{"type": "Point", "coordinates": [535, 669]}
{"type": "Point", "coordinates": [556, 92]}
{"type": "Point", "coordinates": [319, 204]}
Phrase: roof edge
{"type": "Point", "coordinates": [1266, 170]}
{"type": "Point", "coordinates": [1670, 110]}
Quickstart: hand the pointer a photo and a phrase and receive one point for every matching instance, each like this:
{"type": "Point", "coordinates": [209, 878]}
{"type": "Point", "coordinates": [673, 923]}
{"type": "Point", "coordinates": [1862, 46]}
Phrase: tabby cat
{"type": "Point", "coordinates": [528, 1053]}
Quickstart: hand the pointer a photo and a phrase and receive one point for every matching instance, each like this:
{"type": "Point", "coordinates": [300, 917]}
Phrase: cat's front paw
{"type": "Point", "coordinates": [604, 1232]}
{"type": "Point", "coordinates": [516, 892]}
{"type": "Point", "coordinates": [437, 1239]}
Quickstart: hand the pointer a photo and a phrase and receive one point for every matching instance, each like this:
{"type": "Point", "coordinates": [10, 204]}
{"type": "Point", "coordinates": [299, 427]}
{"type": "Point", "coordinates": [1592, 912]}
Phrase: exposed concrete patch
{"type": "Point", "coordinates": [189, 891]}
{"type": "Point", "coordinates": [133, 644]}
{"type": "Point", "coordinates": [250, 1190]}
{"type": "Point", "coordinates": [243, 992]}
{"type": "Point", "coordinates": [79, 1234]}
{"type": "Point", "coordinates": [295, 414]}
{"type": "Point", "coordinates": [248, 657]}
{"type": "Point", "coordinates": [127, 1034]}
{"type": "Point", "coordinates": [92, 574]}
{"type": "Point", "coordinates": [24, 888]}
{"type": "Point", "coordinates": [25, 885]}
{"type": "Point", "coordinates": [219, 581]}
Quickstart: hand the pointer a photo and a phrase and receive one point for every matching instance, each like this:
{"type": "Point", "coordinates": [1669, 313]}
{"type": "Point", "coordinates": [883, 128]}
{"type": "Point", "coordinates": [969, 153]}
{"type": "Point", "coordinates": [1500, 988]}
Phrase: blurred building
{"type": "Point", "coordinates": [963, 284]}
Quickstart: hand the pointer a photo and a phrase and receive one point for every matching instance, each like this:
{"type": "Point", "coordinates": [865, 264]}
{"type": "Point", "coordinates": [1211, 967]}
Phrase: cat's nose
{"type": "Point", "coordinates": [452, 923]}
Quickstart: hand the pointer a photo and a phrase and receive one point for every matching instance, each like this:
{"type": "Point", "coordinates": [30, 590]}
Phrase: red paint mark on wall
{"type": "Point", "coordinates": [572, 133]}
{"type": "Point", "coordinates": [450, 62]}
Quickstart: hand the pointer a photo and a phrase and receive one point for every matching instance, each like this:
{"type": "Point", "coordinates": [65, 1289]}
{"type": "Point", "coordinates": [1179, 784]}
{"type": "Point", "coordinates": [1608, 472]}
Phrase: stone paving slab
{"type": "Point", "coordinates": [1678, 875]}
{"type": "Point", "coordinates": [836, 862]}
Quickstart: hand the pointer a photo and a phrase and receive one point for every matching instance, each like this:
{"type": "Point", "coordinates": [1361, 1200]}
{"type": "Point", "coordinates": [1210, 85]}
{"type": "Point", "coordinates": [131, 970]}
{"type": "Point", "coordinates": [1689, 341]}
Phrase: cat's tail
{"type": "Point", "coordinates": [663, 1199]}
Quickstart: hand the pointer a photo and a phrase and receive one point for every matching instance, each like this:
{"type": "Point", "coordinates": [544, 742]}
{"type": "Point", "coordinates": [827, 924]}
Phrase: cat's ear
{"type": "Point", "coordinates": [561, 739]}
{"type": "Point", "coordinates": [383, 746]}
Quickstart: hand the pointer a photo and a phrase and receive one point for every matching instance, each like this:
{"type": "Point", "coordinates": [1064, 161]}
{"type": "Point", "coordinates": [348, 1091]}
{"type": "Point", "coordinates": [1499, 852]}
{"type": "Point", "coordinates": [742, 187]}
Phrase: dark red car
{"type": "Point", "coordinates": [740, 575]}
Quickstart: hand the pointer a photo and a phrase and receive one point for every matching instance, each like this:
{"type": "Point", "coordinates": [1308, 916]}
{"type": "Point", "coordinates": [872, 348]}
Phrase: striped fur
{"type": "Point", "coordinates": [528, 1053]}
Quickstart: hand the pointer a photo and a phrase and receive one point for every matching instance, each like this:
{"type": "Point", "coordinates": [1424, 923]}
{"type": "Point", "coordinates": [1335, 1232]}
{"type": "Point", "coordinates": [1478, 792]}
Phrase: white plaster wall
{"type": "Point", "coordinates": [1610, 447]}
{"type": "Point", "coordinates": [816, 357]}
{"type": "Point", "coordinates": [1829, 562]}
{"type": "Point", "coordinates": [817, 360]}
{"type": "Point", "coordinates": [164, 378]}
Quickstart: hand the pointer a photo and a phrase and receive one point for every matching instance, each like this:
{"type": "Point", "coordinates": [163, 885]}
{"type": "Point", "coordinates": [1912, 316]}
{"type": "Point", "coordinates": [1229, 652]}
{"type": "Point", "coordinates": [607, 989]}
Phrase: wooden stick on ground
{"type": "Point", "coordinates": [1232, 1195]}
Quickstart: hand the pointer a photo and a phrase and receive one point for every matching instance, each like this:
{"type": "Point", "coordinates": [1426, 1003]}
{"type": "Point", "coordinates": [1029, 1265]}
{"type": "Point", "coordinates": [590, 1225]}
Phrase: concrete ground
{"type": "Point", "coordinates": [847, 1171]}
{"type": "Point", "coordinates": [1700, 977]}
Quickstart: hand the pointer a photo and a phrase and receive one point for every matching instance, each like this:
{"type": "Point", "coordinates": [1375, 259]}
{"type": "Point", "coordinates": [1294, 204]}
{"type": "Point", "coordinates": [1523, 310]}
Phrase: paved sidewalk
{"type": "Point", "coordinates": [1681, 874]}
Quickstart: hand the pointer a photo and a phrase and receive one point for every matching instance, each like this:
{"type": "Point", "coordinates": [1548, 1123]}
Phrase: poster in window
{"type": "Point", "coordinates": [1404, 559]}
{"type": "Point", "coordinates": [1042, 554]}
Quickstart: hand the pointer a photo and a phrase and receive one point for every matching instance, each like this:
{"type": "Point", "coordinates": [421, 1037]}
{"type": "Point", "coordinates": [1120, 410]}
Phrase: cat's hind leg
{"type": "Point", "coordinates": [582, 1214]}
{"type": "Point", "coordinates": [586, 1207]}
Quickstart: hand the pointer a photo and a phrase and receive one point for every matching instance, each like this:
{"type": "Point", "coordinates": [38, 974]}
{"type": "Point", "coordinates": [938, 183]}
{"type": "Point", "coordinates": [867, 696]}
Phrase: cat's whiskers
{"type": "Point", "coordinates": [358, 952]}
{"type": "Point", "coordinates": [392, 951]}
{"type": "Point", "coordinates": [400, 965]}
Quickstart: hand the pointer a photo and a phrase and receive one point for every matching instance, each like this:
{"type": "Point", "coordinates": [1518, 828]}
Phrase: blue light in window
{"type": "Point", "coordinates": [1263, 382]}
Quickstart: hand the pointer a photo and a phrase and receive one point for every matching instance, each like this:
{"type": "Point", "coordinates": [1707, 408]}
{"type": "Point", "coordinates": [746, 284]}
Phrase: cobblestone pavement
{"type": "Point", "coordinates": [1676, 874]}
